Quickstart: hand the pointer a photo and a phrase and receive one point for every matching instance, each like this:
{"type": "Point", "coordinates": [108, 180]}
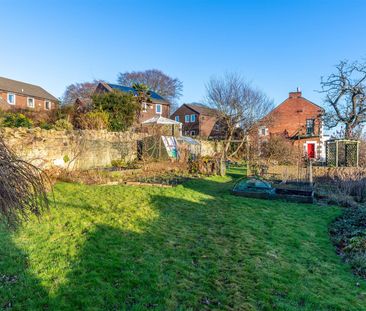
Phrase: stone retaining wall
{"type": "Point", "coordinates": [78, 149]}
{"type": "Point", "coordinates": [71, 149]}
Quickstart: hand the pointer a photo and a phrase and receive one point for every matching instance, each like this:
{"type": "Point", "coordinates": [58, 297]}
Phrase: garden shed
{"type": "Point", "coordinates": [342, 152]}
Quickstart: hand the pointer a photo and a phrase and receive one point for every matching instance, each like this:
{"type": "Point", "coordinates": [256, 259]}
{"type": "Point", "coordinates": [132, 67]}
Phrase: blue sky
{"type": "Point", "coordinates": [277, 45]}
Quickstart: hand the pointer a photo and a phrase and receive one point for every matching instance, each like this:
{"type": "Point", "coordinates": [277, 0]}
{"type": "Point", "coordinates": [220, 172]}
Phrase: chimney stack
{"type": "Point", "coordinates": [296, 94]}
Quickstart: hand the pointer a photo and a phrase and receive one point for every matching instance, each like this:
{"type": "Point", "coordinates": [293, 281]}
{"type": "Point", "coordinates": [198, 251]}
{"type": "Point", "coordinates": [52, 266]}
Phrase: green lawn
{"type": "Point", "coordinates": [192, 247]}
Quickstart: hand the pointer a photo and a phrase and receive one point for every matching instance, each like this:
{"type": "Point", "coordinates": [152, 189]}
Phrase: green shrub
{"type": "Point", "coordinates": [94, 120]}
{"type": "Point", "coordinates": [16, 120]}
{"type": "Point", "coordinates": [119, 163]}
{"type": "Point", "coordinates": [45, 125]}
{"type": "Point", "coordinates": [66, 158]}
{"type": "Point", "coordinates": [63, 124]}
{"type": "Point", "coordinates": [122, 108]}
{"type": "Point", "coordinates": [349, 235]}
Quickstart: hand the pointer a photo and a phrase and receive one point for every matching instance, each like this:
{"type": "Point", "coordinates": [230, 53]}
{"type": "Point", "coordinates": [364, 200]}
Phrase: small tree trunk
{"type": "Point", "coordinates": [348, 131]}
{"type": "Point", "coordinates": [223, 158]}
{"type": "Point", "coordinates": [222, 166]}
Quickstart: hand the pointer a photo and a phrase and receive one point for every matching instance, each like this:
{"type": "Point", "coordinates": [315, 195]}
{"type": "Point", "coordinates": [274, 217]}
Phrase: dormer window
{"type": "Point", "coordinates": [11, 98]}
{"type": "Point", "coordinates": [30, 102]}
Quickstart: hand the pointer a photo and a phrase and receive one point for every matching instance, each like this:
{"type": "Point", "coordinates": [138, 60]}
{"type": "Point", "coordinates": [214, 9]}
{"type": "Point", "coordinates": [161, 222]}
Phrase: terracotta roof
{"type": "Point", "coordinates": [202, 109]}
{"type": "Point", "coordinates": [25, 88]}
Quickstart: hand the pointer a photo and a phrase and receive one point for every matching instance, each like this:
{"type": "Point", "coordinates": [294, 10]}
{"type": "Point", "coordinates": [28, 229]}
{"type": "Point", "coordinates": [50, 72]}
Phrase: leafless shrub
{"type": "Point", "coordinates": [279, 149]}
{"type": "Point", "coordinates": [22, 188]}
{"type": "Point", "coordinates": [345, 182]}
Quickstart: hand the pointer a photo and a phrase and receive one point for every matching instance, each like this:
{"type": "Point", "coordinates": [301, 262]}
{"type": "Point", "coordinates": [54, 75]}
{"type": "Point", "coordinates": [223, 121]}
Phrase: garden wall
{"type": "Point", "coordinates": [71, 149]}
{"type": "Point", "coordinates": [78, 149]}
{"type": "Point", "coordinates": [210, 147]}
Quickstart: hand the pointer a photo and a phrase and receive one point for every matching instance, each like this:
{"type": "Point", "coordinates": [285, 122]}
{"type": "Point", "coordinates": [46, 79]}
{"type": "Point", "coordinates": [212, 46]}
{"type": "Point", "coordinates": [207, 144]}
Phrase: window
{"type": "Point", "coordinates": [30, 102]}
{"type": "Point", "coordinates": [186, 118]}
{"type": "Point", "coordinates": [263, 131]}
{"type": "Point", "coordinates": [193, 118]}
{"type": "Point", "coordinates": [193, 133]}
{"type": "Point", "coordinates": [310, 124]}
{"type": "Point", "coordinates": [158, 108]}
{"type": "Point", "coordinates": [47, 105]}
{"type": "Point", "coordinates": [11, 98]}
{"type": "Point", "coordinates": [176, 118]}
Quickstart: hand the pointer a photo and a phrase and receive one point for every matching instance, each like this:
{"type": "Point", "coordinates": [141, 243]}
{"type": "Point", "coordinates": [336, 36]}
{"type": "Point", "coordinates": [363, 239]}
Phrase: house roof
{"type": "Point", "coordinates": [202, 109]}
{"type": "Point", "coordinates": [127, 89]}
{"type": "Point", "coordinates": [25, 89]}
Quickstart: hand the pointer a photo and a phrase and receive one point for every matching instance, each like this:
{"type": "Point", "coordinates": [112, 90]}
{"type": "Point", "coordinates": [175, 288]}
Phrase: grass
{"type": "Point", "coordinates": [192, 247]}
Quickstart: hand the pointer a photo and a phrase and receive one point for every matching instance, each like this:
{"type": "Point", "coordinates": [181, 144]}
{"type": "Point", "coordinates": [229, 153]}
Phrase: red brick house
{"type": "Point", "coordinates": [298, 119]}
{"type": "Point", "coordinates": [20, 95]}
{"type": "Point", "coordinates": [198, 120]}
{"type": "Point", "coordinates": [159, 106]}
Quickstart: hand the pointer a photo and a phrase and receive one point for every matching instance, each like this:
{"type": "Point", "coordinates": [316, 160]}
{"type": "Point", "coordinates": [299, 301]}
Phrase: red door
{"type": "Point", "coordinates": [311, 151]}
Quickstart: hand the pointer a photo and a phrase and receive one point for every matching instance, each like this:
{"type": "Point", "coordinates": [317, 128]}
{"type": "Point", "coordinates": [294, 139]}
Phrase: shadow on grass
{"type": "Point", "coordinates": [174, 263]}
{"type": "Point", "coordinates": [16, 280]}
{"type": "Point", "coordinates": [199, 253]}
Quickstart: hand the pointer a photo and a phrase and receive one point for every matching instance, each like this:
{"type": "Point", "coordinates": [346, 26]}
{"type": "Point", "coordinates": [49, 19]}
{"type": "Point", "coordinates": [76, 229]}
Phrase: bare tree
{"type": "Point", "coordinates": [346, 97]}
{"type": "Point", "coordinates": [156, 80]}
{"type": "Point", "coordinates": [239, 107]}
{"type": "Point", "coordinates": [83, 91]}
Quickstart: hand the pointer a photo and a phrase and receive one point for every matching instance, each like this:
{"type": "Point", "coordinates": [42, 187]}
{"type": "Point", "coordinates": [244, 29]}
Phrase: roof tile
{"type": "Point", "coordinates": [25, 88]}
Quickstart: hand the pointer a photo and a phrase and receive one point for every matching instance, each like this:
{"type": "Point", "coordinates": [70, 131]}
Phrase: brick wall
{"type": "Point", "coordinates": [188, 127]}
{"type": "Point", "coordinates": [21, 102]}
{"type": "Point", "coordinates": [289, 119]}
{"type": "Point", "coordinates": [151, 111]}
{"type": "Point", "coordinates": [203, 126]}
{"type": "Point", "coordinates": [291, 116]}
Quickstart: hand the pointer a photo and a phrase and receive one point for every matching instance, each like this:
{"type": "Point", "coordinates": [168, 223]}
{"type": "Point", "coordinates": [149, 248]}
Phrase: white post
{"type": "Point", "coordinates": [311, 171]}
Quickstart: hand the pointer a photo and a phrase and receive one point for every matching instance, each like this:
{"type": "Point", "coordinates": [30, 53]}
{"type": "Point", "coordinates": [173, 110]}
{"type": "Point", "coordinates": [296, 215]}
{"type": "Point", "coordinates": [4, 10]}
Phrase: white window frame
{"type": "Point", "coordinates": [193, 133]}
{"type": "Point", "coordinates": [8, 95]}
{"type": "Point", "coordinates": [45, 105]}
{"type": "Point", "coordinates": [260, 131]}
{"type": "Point", "coordinates": [34, 102]}
{"type": "Point", "coordinates": [176, 118]}
{"type": "Point", "coordinates": [156, 109]}
{"type": "Point", "coordinates": [186, 118]}
{"type": "Point", "coordinates": [193, 118]}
